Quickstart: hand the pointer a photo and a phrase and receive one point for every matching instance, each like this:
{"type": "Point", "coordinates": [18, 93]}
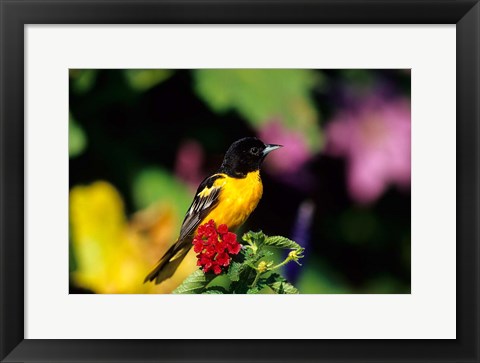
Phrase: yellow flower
{"type": "Point", "coordinates": [113, 255]}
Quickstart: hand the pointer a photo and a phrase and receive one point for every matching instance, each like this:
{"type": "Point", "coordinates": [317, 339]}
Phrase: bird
{"type": "Point", "coordinates": [228, 197]}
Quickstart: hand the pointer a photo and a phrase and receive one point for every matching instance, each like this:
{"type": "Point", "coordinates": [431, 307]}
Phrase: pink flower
{"type": "Point", "coordinates": [189, 162]}
{"type": "Point", "coordinates": [375, 139]}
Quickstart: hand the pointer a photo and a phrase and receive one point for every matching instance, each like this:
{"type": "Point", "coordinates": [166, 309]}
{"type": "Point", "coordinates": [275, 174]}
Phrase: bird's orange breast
{"type": "Point", "coordinates": [237, 200]}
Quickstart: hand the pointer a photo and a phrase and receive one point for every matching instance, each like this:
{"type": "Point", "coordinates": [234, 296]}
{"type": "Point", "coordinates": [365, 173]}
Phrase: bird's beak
{"type": "Point", "coordinates": [269, 148]}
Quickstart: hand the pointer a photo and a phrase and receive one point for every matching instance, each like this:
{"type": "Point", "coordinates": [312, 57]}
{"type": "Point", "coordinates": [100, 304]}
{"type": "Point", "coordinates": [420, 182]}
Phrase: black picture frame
{"type": "Point", "coordinates": [15, 14]}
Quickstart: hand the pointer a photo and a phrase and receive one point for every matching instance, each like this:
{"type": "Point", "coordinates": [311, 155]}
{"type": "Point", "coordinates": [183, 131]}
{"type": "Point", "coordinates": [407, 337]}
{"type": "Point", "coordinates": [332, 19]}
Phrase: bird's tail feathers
{"type": "Point", "coordinates": [168, 264]}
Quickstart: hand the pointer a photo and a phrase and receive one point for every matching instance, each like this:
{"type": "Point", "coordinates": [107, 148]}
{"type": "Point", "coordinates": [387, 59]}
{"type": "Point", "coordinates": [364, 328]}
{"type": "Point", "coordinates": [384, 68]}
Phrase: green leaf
{"type": "Point", "coordinates": [77, 140]}
{"type": "Point", "coordinates": [282, 242]}
{"type": "Point", "coordinates": [143, 79]}
{"type": "Point", "coordinates": [283, 287]}
{"type": "Point", "coordinates": [214, 291]}
{"type": "Point", "coordinates": [265, 254]}
{"type": "Point", "coordinates": [235, 270]}
{"type": "Point", "coordinates": [261, 95]}
{"type": "Point", "coordinates": [248, 254]}
{"type": "Point", "coordinates": [279, 285]}
{"type": "Point", "coordinates": [253, 290]}
{"type": "Point", "coordinates": [245, 280]}
{"type": "Point", "coordinates": [254, 237]}
{"type": "Point", "coordinates": [193, 284]}
{"type": "Point", "coordinates": [220, 282]}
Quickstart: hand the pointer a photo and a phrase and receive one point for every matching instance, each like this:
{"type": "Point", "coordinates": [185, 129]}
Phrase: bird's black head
{"type": "Point", "coordinates": [245, 155]}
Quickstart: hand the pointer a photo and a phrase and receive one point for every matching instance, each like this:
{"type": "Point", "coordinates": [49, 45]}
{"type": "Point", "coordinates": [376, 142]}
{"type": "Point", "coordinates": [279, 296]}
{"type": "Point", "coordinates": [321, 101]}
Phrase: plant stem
{"type": "Point", "coordinates": [287, 260]}
{"type": "Point", "coordinates": [257, 276]}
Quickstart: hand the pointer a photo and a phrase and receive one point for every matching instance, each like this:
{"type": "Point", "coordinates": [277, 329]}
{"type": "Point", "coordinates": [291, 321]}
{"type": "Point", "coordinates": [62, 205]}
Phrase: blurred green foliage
{"type": "Point", "coordinates": [154, 184]}
{"type": "Point", "coordinates": [82, 80]}
{"type": "Point", "coordinates": [143, 79]}
{"type": "Point", "coordinates": [284, 93]}
{"type": "Point", "coordinates": [317, 278]}
{"type": "Point", "coordinates": [77, 140]}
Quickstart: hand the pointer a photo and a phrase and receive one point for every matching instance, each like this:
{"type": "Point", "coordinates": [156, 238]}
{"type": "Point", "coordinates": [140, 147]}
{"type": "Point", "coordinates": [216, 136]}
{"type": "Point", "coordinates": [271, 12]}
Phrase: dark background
{"type": "Point", "coordinates": [129, 128]}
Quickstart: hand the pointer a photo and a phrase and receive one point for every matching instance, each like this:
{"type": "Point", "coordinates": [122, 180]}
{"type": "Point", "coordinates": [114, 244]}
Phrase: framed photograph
{"type": "Point", "coordinates": [309, 168]}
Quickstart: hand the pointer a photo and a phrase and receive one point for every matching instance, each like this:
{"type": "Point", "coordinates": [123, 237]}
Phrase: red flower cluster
{"type": "Point", "coordinates": [214, 246]}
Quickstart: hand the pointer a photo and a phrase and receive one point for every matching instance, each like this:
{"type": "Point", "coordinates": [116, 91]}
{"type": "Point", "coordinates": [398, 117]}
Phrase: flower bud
{"type": "Point", "coordinates": [295, 255]}
{"type": "Point", "coordinates": [262, 266]}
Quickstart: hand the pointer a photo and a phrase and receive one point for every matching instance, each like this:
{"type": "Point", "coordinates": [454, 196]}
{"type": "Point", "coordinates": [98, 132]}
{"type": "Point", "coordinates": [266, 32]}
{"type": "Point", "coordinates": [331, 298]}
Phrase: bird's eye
{"type": "Point", "coordinates": [254, 150]}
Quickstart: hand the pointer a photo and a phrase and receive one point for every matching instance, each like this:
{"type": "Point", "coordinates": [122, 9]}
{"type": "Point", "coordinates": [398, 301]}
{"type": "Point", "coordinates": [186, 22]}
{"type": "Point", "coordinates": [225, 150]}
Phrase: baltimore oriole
{"type": "Point", "coordinates": [228, 197]}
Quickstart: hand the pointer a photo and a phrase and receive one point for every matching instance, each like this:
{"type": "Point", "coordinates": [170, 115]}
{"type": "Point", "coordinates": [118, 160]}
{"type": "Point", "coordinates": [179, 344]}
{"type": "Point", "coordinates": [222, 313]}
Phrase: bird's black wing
{"type": "Point", "coordinates": [205, 200]}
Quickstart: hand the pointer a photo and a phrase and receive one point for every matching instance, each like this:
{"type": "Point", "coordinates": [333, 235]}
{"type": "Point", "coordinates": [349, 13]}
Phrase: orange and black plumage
{"type": "Point", "coordinates": [228, 197]}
